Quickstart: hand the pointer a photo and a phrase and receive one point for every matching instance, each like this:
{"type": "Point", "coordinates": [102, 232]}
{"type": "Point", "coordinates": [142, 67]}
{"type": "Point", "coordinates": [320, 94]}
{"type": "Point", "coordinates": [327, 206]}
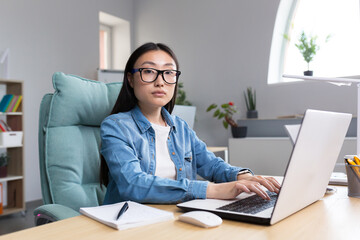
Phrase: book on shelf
{"type": "Point", "coordinates": [136, 215]}
{"type": "Point", "coordinates": [17, 104]}
{"type": "Point", "coordinates": [10, 103]}
{"type": "Point", "coordinates": [5, 102]}
{"type": "Point", "coordinates": [4, 127]}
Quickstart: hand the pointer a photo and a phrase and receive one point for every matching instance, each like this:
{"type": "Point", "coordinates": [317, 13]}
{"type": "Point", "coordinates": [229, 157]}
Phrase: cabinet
{"type": "Point", "coordinates": [14, 181]}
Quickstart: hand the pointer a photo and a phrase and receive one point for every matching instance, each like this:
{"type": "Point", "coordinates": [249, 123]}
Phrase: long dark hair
{"type": "Point", "coordinates": [127, 99]}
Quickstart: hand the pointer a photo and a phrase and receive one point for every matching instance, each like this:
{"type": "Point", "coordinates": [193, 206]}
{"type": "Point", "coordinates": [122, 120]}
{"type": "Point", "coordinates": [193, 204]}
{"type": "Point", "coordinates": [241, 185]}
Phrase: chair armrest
{"type": "Point", "coordinates": [53, 212]}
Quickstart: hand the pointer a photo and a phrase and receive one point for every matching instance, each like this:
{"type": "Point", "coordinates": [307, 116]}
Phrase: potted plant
{"type": "Point", "coordinates": [250, 100]}
{"type": "Point", "coordinates": [181, 96]}
{"type": "Point", "coordinates": [4, 158]}
{"type": "Point", "coordinates": [308, 48]}
{"type": "Point", "coordinates": [183, 108]}
{"type": "Point", "coordinates": [225, 112]}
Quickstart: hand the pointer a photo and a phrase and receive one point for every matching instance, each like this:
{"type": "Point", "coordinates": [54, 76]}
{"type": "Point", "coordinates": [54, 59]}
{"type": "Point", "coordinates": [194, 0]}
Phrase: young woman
{"type": "Point", "coordinates": [151, 156]}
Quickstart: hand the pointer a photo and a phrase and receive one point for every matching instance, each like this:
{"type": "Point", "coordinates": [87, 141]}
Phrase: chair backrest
{"type": "Point", "coordinates": [69, 140]}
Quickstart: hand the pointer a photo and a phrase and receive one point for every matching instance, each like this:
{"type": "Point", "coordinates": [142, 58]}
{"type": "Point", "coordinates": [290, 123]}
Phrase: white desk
{"type": "Point", "coordinates": [334, 217]}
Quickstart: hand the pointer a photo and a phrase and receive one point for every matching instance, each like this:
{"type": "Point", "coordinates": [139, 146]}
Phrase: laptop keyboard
{"type": "Point", "coordinates": [251, 205]}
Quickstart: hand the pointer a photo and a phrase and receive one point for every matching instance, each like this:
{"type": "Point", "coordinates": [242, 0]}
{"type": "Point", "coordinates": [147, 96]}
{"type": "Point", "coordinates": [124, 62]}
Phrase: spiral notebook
{"type": "Point", "coordinates": [137, 215]}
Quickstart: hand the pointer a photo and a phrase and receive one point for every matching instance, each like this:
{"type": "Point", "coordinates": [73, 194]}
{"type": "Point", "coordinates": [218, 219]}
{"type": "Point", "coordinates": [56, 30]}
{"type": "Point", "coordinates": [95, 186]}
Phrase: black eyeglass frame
{"type": "Point", "coordinates": [135, 70]}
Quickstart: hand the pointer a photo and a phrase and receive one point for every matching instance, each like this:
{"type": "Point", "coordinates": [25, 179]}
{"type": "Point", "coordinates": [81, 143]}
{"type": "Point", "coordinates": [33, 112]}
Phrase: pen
{"type": "Point", "coordinates": [357, 160]}
{"type": "Point", "coordinates": [124, 208]}
{"type": "Point", "coordinates": [351, 162]}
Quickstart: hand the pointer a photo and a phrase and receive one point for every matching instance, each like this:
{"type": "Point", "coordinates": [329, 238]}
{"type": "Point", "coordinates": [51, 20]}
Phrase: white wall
{"type": "Point", "coordinates": [223, 47]}
{"type": "Point", "coordinates": [45, 36]}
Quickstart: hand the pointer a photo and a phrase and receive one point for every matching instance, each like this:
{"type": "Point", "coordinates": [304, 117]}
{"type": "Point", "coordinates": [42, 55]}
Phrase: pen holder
{"type": "Point", "coordinates": [353, 176]}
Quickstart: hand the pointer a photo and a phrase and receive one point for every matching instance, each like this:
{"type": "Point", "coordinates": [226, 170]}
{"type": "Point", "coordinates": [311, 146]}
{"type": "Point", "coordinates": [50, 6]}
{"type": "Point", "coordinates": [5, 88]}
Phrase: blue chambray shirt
{"type": "Point", "coordinates": [128, 146]}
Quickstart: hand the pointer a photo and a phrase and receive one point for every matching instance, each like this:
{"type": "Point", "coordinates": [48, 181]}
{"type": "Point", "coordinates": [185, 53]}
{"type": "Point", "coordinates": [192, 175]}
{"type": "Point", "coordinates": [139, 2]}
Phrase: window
{"type": "Point", "coordinates": [105, 46]}
{"type": "Point", "coordinates": [114, 42]}
{"type": "Point", "coordinates": [336, 57]}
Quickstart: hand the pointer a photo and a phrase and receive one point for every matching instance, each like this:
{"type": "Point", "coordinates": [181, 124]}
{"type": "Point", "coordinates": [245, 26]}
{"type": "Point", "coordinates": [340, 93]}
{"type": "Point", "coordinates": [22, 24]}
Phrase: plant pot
{"type": "Point", "coordinates": [3, 171]}
{"type": "Point", "coordinates": [239, 132]}
{"type": "Point", "coordinates": [308, 73]}
{"type": "Point", "coordinates": [252, 114]}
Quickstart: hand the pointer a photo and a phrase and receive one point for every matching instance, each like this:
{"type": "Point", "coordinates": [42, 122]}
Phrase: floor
{"type": "Point", "coordinates": [16, 222]}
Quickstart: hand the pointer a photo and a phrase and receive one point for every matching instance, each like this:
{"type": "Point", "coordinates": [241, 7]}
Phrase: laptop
{"type": "Point", "coordinates": [337, 178]}
{"type": "Point", "coordinates": [307, 175]}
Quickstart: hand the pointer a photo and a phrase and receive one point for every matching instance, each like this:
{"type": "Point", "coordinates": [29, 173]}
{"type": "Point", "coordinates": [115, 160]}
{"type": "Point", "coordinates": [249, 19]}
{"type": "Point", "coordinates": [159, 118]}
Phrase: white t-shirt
{"type": "Point", "coordinates": [165, 167]}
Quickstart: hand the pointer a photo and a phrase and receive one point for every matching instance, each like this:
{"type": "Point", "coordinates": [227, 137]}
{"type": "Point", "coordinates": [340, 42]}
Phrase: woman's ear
{"type": "Point", "coordinates": [130, 79]}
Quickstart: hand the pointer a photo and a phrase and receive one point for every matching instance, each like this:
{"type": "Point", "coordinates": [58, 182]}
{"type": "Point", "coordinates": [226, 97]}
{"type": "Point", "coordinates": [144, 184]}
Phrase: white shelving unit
{"type": "Point", "coordinates": [14, 181]}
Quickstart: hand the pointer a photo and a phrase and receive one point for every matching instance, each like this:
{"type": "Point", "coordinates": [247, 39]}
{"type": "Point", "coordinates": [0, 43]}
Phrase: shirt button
{"type": "Point", "coordinates": [180, 169]}
{"type": "Point", "coordinates": [173, 153]}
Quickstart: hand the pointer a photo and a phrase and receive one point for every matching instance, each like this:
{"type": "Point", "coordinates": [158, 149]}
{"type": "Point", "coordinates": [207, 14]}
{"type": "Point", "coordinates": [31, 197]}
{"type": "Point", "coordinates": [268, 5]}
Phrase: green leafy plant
{"type": "Point", "coordinates": [308, 47]}
{"type": "Point", "coordinates": [250, 99]}
{"type": "Point", "coordinates": [225, 112]}
{"type": "Point", "coordinates": [181, 96]}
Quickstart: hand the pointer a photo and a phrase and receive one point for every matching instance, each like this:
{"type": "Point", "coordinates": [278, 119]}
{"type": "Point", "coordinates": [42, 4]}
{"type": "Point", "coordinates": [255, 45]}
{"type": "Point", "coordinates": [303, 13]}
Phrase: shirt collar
{"type": "Point", "coordinates": [168, 118]}
{"type": "Point", "coordinates": [144, 124]}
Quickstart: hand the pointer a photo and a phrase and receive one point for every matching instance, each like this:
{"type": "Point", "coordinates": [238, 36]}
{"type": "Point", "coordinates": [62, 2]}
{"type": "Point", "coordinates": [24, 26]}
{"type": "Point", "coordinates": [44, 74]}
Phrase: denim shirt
{"type": "Point", "coordinates": [128, 146]}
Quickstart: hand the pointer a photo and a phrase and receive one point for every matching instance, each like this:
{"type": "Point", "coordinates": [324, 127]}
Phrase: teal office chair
{"type": "Point", "coordinates": [69, 141]}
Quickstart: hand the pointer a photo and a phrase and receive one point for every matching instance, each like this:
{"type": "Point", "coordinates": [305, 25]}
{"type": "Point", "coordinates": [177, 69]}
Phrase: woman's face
{"type": "Point", "coordinates": [156, 94]}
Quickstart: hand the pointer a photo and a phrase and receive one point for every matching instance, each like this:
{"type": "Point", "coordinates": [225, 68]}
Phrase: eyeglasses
{"type": "Point", "coordinates": [149, 75]}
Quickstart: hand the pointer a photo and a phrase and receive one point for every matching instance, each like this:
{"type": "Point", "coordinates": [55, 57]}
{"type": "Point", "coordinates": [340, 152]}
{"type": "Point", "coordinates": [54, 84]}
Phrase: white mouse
{"type": "Point", "coordinates": [201, 219]}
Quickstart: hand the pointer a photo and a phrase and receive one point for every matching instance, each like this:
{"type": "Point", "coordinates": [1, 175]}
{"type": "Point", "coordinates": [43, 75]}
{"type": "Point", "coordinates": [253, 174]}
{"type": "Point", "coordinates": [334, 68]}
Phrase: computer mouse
{"type": "Point", "coordinates": [201, 218]}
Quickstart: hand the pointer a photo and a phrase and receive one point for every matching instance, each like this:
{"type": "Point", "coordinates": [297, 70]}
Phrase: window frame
{"type": "Point", "coordinates": [279, 45]}
{"type": "Point", "coordinates": [108, 46]}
